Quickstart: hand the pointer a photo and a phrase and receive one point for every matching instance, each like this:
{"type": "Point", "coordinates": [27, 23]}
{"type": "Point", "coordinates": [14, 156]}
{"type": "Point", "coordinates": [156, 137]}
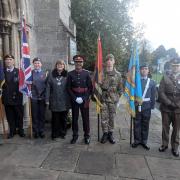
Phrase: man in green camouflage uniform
{"type": "Point", "coordinates": [111, 91]}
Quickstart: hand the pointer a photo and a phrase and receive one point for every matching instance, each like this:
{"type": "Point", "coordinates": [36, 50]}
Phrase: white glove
{"type": "Point", "coordinates": [79, 100]}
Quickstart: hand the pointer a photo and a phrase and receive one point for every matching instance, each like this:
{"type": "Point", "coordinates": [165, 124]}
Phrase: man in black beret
{"type": "Point", "coordinates": [12, 98]}
{"type": "Point", "coordinates": [79, 86]}
{"type": "Point", "coordinates": [169, 96]}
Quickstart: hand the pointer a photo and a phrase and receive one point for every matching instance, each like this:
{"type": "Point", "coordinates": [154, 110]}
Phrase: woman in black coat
{"type": "Point", "coordinates": [58, 99]}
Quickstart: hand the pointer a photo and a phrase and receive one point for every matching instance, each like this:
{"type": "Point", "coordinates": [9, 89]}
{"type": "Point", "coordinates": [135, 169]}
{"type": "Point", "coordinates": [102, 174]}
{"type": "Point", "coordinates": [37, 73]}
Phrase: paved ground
{"type": "Point", "coordinates": [25, 159]}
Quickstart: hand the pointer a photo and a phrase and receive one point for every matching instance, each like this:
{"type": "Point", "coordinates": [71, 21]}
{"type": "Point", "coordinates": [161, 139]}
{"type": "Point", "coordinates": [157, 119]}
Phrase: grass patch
{"type": "Point", "coordinates": [157, 77]}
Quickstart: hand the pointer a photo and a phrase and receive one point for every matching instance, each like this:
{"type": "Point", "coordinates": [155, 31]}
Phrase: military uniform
{"type": "Point", "coordinates": [141, 122]}
{"type": "Point", "coordinates": [12, 100]}
{"type": "Point", "coordinates": [111, 91]}
{"type": "Point", "coordinates": [79, 85]}
{"type": "Point", "coordinates": [169, 96]}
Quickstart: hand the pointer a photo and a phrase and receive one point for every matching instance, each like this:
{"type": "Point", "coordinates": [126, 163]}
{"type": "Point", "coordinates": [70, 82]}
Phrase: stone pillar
{"type": "Point", "coordinates": [6, 48]}
{"type": "Point", "coordinates": [15, 44]}
{"type": "Point", "coordinates": [5, 31]}
{"type": "Point", "coordinates": [1, 48]}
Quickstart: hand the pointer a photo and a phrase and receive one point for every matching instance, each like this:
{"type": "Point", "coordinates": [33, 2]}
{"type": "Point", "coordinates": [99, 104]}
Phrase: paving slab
{"type": "Point", "coordinates": [31, 156]}
{"type": "Point", "coordinates": [62, 158]}
{"type": "Point", "coordinates": [7, 150]}
{"type": "Point", "coordinates": [95, 163]}
{"type": "Point", "coordinates": [106, 148]}
{"type": "Point", "coordinates": [164, 168]}
{"type": "Point", "coordinates": [77, 176]}
{"type": "Point", "coordinates": [118, 178]}
{"type": "Point", "coordinates": [22, 173]}
{"type": "Point", "coordinates": [154, 152]}
{"type": "Point", "coordinates": [132, 166]}
{"type": "Point", "coordinates": [5, 170]}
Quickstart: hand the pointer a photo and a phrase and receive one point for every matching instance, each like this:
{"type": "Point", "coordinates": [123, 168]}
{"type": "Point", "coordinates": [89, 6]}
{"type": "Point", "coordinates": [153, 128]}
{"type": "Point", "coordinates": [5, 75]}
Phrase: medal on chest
{"type": "Point", "coordinates": [59, 81]}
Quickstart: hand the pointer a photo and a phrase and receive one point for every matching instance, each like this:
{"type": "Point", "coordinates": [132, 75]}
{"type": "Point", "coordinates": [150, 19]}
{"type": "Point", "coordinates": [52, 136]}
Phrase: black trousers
{"type": "Point", "coordinates": [141, 126]}
{"type": "Point", "coordinates": [58, 123]}
{"type": "Point", "coordinates": [14, 115]}
{"type": "Point", "coordinates": [38, 115]}
{"type": "Point", "coordinates": [85, 118]}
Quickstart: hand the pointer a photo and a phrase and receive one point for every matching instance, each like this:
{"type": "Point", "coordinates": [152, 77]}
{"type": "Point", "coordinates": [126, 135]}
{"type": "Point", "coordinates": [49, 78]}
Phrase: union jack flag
{"type": "Point", "coordinates": [25, 75]}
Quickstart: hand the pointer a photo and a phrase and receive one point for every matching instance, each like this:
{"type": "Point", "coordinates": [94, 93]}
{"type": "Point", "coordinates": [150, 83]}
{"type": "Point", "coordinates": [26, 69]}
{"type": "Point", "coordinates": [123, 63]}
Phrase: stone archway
{"type": "Point", "coordinates": [9, 19]}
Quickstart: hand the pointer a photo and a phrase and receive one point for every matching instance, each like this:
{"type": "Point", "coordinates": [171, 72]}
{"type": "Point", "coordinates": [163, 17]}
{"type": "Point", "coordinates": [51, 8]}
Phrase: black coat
{"type": "Point", "coordinates": [11, 94]}
{"type": "Point", "coordinates": [56, 93]}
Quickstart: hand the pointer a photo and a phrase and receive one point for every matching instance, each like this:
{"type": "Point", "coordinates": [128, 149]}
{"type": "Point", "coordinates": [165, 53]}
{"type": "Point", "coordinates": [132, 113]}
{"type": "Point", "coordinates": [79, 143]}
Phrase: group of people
{"type": "Point", "coordinates": [169, 98]}
{"type": "Point", "coordinates": [61, 90]}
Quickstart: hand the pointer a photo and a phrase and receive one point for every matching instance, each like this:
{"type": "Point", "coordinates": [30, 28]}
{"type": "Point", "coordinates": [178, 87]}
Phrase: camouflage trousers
{"type": "Point", "coordinates": [108, 112]}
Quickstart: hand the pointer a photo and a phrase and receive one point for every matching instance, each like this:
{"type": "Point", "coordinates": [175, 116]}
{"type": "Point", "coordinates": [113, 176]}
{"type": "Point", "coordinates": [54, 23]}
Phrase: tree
{"type": "Point", "coordinates": [172, 53]}
{"type": "Point", "coordinates": [160, 52]}
{"type": "Point", "coordinates": [145, 55]}
{"type": "Point", "coordinates": [111, 19]}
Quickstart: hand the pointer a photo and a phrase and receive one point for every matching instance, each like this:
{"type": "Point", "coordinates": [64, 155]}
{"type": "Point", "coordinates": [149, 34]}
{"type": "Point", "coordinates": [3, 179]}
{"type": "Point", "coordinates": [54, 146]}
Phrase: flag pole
{"type": "Point", "coordinates": [131, 129]}
{"type": "Point", "coordinates": [98, 106]}
{"type": "Point", "coordinates": [98, 126]}
{"type": "Point", "coordinates": [30, 117]}
{"type": "Point", "coordinates": [2, 119]}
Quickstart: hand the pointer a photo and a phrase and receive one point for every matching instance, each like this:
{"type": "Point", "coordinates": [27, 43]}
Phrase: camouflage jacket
{"type": "Point", "coordinates": [169, 93]}
{"type": "Point", "coordinates": [111, 86]}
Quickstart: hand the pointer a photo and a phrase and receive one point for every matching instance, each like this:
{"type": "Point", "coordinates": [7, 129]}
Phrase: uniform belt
{"type": "Point", "coordinates": [173, 94]}
{"type": "Point", "coordinates": [80, 90]}
{"type": "Point", "coordinates": [146, 99]}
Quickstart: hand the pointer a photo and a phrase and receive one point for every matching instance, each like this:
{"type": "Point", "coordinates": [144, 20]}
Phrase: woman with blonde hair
{"type": "Point", "coordinates": [58, 100]}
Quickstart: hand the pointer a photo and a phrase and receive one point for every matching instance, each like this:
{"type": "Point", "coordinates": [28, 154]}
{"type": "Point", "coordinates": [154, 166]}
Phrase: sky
{"type": "Point", "coordinates": [162, 22]}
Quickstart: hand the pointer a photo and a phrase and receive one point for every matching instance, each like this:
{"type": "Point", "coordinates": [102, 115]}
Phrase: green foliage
{"type": "Point", "coordinates": [109, 18]}
{"type": "Point", "coordinates": [157, 77]}
{"type": "Point", "coordinates": [145, 56]}
{"type": "Point", "coordinates": [161, 52]}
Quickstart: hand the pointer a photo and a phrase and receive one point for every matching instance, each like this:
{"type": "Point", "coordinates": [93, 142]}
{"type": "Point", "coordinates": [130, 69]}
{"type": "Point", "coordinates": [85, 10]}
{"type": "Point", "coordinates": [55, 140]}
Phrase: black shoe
{"type": "Point", "coordinates": [21, 132]}
{"type": "Point", "coordinates": [35, 135]}
{"type": "Point", "coordinates": [111, 138]}
{"type": "Point", "coordinates": [53, 136]}
{"type": "Point", "coordinates": [87, 140]}
{"type": "Point", "coordinates": [62, 136]}
{"type": "Point", "coordinates": [104, 138]}
{"type": "Point", "coordinates": [134, 145]}
{"type": "Point", "coordinates": [41, 135]}
{"type": "Point", "coordinates": [10, 135]}
{"type": "Point", "coordinates": [145, 146]}
{"type": "Point", "coordinates": [163, 148]}
{"type": "Point", "coordinates": [175, 153]}
{"type": "Point", "coordinates": [22, 135]}
{"type": "Point", "coordinates": [74, 139]}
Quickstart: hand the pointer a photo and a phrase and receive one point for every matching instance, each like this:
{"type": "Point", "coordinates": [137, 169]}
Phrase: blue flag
{"type": "Point", "coordinates": [133, 89]}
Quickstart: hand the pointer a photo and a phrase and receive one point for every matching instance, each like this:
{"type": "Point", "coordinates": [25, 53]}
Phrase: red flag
{"type": "Point", "coordinates": [98, 75]}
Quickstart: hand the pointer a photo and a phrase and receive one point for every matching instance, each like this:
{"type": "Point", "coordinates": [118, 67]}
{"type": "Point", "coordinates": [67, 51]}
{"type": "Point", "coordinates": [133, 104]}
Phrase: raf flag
{"type": "Point", "coordinates": [25, 76]}
{"type": "Point", "coordinates": [133, 89]}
